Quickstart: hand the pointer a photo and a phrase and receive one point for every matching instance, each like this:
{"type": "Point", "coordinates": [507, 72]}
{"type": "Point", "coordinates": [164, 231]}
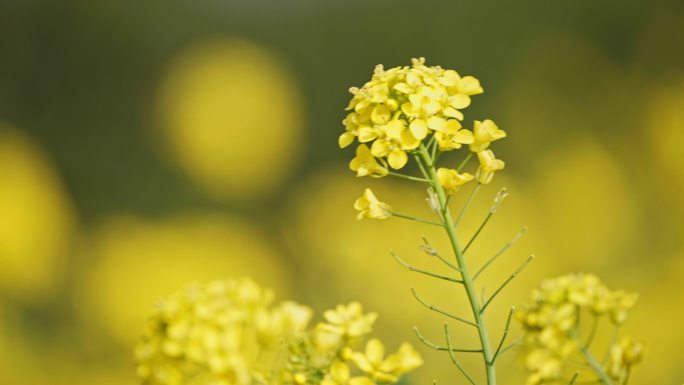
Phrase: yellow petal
{"type": "Point", "coordinates": [394, 129]}
{"type": "Point", "coordinates": [451, 112]}
{"type": "Point", "coordinates": [381, 114]}
{"type": "Point", "coordinates": [459, 101]}
{"type": "Point", "coordinates": [419, 128]}
{"type": "Point", "coordinates": [367, 133]}
{"type": "Point", "coordinates": [408, 141]}
{"type": "Point", "coordinates": [403, 88]}
{"type": "Point", "coordinates": [397, 159]}
{"type": "Point", "coordinates": [469, 85]}
{"type": "Point", "coordinates": [437, 124]}
{"type": "Point", "coordinates": [345, 139]}
{"type": "Point", "coordinates": [380, 148]}
{"type": "Point", "coordinates": [463, 136]}
{"type": "Point", "coordinates": [375, 351]}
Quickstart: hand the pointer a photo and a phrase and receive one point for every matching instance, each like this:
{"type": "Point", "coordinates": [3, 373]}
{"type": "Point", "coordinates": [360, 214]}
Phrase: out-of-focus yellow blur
{"type": "Point", "coordinates": [232, 115]}
{"type": "Point", "coordinates": [36, 219]}
{"type": "Point", "coordinates": [96, 224]}
{"type": "Point", "coordinates": [136, 261]}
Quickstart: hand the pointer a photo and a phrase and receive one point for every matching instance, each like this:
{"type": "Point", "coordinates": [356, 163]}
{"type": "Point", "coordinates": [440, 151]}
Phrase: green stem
{"type": "Point", "coordinates": [468, 283]}
{"type": "Point", "coordinates": [595, 365]}
{"type": "Point", "coordinates": [410, 218]}
{"type": "Point", "coordinates": [413, 178]}
{"type": "Point", "coordinates": [464, 162]}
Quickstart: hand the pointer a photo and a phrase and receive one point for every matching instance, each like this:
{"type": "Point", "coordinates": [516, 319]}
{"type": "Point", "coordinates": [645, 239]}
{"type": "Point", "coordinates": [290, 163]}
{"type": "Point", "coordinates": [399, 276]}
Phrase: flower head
{"type": "Point", "coordinates": [401, 107]}
{"type": "Point", "coordinates": [226, 333]}
{"type": "Point", "coordinates": [369, 206]}
{"type": "Point", "coordinates": [551, 325]}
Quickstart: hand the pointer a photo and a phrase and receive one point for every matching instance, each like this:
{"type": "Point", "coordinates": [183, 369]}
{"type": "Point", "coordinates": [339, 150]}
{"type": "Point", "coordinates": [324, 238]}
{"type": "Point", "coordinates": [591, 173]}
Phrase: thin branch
{"type": "Point", "coordinates": [479, 229]}
{"type": "Point", "coordinates": [464, 162]}
{"type": "Point", "coordinates": [482, 300]}
{"type": "Point", "coordinates": [596, 366]}
{"type": "Point", "coordinates": [421, 167]}
{"type": "Point", "coordinates": [436, 156]}
{"type": "Point", "coordinates": [592, 333]}
{"type": "Point", "coordinates": [515, 274]}
{"type": "Point", "coordinates": [431, 345]}
{"type": "Point", "coordinates": [501, 251]}
{"type": "Point", "coordinates": [465, 206]}
{"type": "Point", "coordinates": [433, 151]}
{"type": "Point", "coordinates": [574, 378]}
{"type": "Point", "coordinates": [427, 247]}
{"type": "Point", "coordinates": [438, 310]}
{"type": "Point", "coordinates": [411, 268]}
{"type": "Point", "coordinates": [627, 375]}
{"type": "Point", "coordinates": [505, 334]}
{"type": "Point", "coordinates": [408, 177]}
{"type": "Point", "coordinates": [500, 196]}
{"type": "Point", "coordinates": [453, 358]}
{"type": "Point", "coordinates": [429, 222]}
{"type": "Point", "coordinates": [613, 338]}
{"type": "Point", "coordinates": [510, 346]}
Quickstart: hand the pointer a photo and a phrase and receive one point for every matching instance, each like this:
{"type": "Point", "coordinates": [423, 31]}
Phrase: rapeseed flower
{"type": "Point", "coordinates": [401, 108]}
{"type": "Point", "coordinates": [341, 375]}
{"type": "Point", "coordinates": [227, 333]}
{"type": "Point", "coordinates": [552, 331]}
{"type": "Point", "coordinates": [451, 180]}
{"type": "Point", "coordinates": [369, 206]}
{"type": "Point", "coordinates": [349, 320]}
{"type": "Point", "coordinates": [622, 356]}
{"type": "Point", "coordinates": [484, 133]}
{"type": "Point", "coordinates": [365, 164]}
{"type": "Point", "coordinates": [386, 369]}
{"type": "Point", "coordinates": [488, 165]}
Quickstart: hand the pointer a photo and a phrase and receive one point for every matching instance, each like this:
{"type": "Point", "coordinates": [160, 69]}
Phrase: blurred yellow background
{"type": "Point", "coordinates": [144, 145]}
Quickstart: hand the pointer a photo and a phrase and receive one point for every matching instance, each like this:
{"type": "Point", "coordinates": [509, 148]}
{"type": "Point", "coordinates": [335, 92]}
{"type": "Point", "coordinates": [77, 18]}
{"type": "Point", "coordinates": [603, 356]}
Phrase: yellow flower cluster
{"type": "Point", "coordinates": [229, 333]}
{"type": "Point", "coordinates": [404, 108]}
{"type": "Point", "coordinates": [551, 325]}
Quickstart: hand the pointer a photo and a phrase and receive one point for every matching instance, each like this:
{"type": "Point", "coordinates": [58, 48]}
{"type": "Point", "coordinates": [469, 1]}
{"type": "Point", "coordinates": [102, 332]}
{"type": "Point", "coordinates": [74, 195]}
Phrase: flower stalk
{"type": "Point", "coordinates": [468, 283]}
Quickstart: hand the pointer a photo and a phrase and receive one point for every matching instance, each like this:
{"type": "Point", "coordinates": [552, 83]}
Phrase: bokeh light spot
{"type": "Point", "coordinates": [139, 261]}
{"type": "Point", "coordinates": [36, 218]}
{"type": "Point", "coordinates": [233, 117]}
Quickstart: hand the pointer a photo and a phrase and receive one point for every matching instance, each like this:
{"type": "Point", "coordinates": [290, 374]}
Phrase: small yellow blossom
{"type": "Point", "coordinates": [393, 143]}
{"type": "Point", "coordinates": [622, 303]}
{"type": "Point", "coordinates": [341, 375]}
{"type": "Point", "coordinates": [545, 367]}
{"type": "Point", "coordinates": [484, 133]}
{"type": "Point", "coordinates": [365, 164]}
{"type": "Point", "coordinates": [622, 356]}
{"type": "Point", "coordinates": [381, 369]}
{"type": "Point", "coordinates": [450, 135]}
{"type": "Point", "coordinates": [369, 206]}
{"type": "Point", "coordinates": [451, 180]}
{"type": "Point", "coordinates": [488, 165]}
{"type": "Point", "coordinates": [349, 320]}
